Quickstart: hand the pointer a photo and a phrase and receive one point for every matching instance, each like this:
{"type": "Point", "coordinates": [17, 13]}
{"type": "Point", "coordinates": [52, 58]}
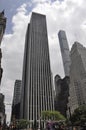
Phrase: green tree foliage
{"type": "Point", "coordinates": [22, 123]}
{"type": "Point", "coordinates": [79, 116]}
{"type": "Point", "coordinates": [53, 115]}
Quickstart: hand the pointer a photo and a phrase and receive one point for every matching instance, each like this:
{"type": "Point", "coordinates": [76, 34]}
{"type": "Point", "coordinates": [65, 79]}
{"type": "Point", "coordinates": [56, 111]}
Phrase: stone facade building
{"type": "Point", "coordinates": [2, 25]}
{"type": "Point", "coordinates": [2, 30]}
{"type": "Point", "coordinates": [77, 89]}
{"type": "Point", "coordinates": [61, 94]}
{"type": "Point", "coordinates": [2, 109]}
{"type": "Point", "coordinates": [16, 100]}
{"type": "Point", "coordinates": [1, 70]}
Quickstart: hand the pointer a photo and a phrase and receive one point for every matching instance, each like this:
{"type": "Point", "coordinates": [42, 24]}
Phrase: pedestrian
{"type": "Point", "coordinates": [83, 128]}
{"type": "Point", "coordinates": [62, 127]}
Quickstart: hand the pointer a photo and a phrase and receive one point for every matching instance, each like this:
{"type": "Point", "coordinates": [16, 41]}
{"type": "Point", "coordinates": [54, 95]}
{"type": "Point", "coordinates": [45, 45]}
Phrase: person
{"type": "Point", "coordinates": [0, 127]}
{"type": "Point", "coordinates": [83, 128]}
{"type": "Point", "coordinates": [62, 127]}
{"type": "Point", "coordinates": [55, 126]}
{"type": "Point", "coordinates": [48, 126]}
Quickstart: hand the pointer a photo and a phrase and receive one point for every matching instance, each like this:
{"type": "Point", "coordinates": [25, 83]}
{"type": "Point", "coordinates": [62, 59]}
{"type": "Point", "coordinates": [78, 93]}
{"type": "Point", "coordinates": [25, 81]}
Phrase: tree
{"type": "Point", "coordinates": [79, 116]}
{"type": "Point", "coordinates": [53, 115]}
{"type": "Point", "coordinates": [22, 123]}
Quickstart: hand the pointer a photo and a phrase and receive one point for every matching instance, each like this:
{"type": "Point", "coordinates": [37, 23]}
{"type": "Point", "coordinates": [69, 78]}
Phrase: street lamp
{"type": "Point", "coordinates": [70, 113]}
{"type": "Point", "coordinates": [40, 123]}
{"type": "Point", "coordinates": [0, 123]}
{"type": "Point", "coordinates": [70, 117]}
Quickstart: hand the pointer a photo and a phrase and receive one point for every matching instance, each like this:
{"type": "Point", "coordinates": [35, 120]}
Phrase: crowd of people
{"type": "Point", "coordinates": [49, 126]}
{"type": "Point", "coordinates": [62, 126]}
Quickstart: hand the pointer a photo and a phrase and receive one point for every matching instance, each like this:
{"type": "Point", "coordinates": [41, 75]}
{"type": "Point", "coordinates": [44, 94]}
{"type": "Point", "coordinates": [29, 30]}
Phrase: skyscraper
{"type": "Point", "coordinates": [77, 89]}
{"type": "Point", "coordinates": [2, 30]}
{"type": "Point", "coordinates": [62, 93]}
{"type": "Point", "coordinates": [1, 70]}
{"type": "Point", "coordinates": [16, 100]}
{"type": "Point", "coordinates": [2, 25]}
{"type": "Point", "coordinates": [17, 92]}
{"type": "Point", "coordinates": [37, 89]}
{"type": "Point", "coordinates": [64, 51]}
{"type": "Point", "coordinates": [2, 109]}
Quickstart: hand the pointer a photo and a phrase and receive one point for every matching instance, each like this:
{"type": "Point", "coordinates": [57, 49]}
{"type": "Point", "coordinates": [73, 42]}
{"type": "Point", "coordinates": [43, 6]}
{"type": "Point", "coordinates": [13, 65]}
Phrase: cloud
{"type": "Point", "coordinates": [12, 53]}
{"type": "Point", "coordinates": [68, 15]}
{"type": "Point", "coordinates": [41, 1]}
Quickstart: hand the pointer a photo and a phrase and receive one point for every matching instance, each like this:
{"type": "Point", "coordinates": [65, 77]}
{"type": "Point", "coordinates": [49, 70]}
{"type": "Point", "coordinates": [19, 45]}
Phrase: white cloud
{"type": "Point", "coordinates": [12, 51]}
{"type": "Point", "coordinates": [68, 15]}
{"type": "Point", "coordinates": [41, 1]}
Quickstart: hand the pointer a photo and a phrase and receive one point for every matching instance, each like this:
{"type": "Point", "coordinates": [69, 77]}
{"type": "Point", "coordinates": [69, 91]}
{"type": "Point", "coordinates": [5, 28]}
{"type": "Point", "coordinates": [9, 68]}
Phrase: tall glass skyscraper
{"type": "Point", "coordinates": [16, 100]}
{"type": "Point", "coordinates": [64, 51]}
{"type": "Point", "coordinates": [37, 89]}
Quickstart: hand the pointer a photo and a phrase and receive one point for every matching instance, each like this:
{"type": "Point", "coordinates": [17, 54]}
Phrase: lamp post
{"type": "Point", "coordinates": [40, 123]}
{"type": "Point", "coordinates": [0, 123]}
{"type": "Point", "coordinates": [0, 120]}
{"type": "Point", "coordinates": [70, 117]}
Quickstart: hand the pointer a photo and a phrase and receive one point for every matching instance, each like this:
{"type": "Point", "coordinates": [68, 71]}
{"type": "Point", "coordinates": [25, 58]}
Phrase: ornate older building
{"type": "Point", "coordinates": [2, 30]}
{"type": "Point", "coordinates": [37, 89]}
{"type": "Point", "coordinates": [2, 25]}
{"type": "Point", "coordinates": [2, 109]}
{"type": "Point", "coordinates": [1, 70]}
{"type": "Point", "coordinates": [61, 94]}
{"type": "Point", "coordinates": [77, 87]}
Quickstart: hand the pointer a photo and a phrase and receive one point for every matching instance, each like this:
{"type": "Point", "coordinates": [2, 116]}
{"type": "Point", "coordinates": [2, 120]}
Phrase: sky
{"type": "Point", "coordinates": [67, 15]}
